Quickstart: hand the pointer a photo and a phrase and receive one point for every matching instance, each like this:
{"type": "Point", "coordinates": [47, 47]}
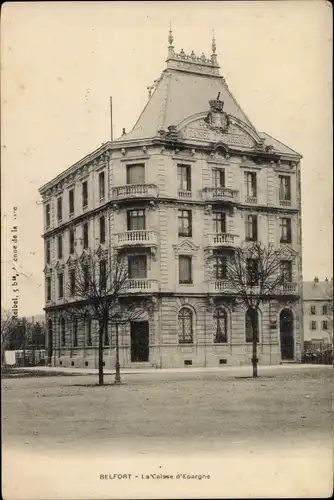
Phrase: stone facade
{"type": "Point", "coordinates": [202, 162]}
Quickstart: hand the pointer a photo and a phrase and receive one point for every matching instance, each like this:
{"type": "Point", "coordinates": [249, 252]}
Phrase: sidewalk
{"type": "Point", "coordinates": [227, 370]}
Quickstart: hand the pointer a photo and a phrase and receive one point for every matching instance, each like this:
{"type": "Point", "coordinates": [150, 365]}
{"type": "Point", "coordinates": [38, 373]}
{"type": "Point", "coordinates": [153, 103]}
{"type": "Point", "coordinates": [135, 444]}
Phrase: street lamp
{"type": "Point", "coordinates": [117, 366]}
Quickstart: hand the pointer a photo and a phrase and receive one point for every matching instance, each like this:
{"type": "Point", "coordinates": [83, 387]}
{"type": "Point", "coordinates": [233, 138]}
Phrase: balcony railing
{"type": "Point", "coordinates": [219, 194]}
{"type": "Point", "coordinates": [289, 289]}
{"type": "Point", "coordinates": [251, 199]}
{"type": "Point", "coordinates": [182, 193]}
{"type": "Point", "coordinates": [133, 238]}
{"type": "Point", "coordinates": [142, 285]}
{"type": "Point", "coordinates": [135, 191]}
{"type": "Point", "coordinates": [285, 203]}
{"type": "Point", "coordinates": [219, 286]}
{"type": "Point", "coordinates": [222, 240]}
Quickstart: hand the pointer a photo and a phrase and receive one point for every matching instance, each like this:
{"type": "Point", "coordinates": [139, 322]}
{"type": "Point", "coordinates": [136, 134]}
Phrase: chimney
{"type": "Point", "coordinates": [316, 280]}
{"type": "Point", "coordinates": [326, 280]}
{"type": "Point", "coordinates": [123, 132]}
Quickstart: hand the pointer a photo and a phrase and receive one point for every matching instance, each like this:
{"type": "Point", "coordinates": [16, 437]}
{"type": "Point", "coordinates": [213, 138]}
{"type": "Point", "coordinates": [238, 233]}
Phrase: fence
{"type": "Point", "coordinates": [318, 357]}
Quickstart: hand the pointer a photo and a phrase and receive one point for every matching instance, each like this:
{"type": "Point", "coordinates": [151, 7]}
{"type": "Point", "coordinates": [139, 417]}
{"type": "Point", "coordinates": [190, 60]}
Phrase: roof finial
{"type": "Point", "coordinates": [214, 46]}
{"type": "Point", "coordinates": [171, 52]}
{"type": "Point", "coordinates": [170, 36]}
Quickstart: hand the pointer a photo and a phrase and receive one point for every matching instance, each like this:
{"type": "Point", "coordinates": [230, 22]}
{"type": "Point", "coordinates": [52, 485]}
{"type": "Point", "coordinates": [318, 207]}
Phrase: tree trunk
{"type": "Point", "coordinates": [101, 331]}
{"type": "Point", "coordinates": [255, 333]}
{"type": "Point", "coordinates": [117, 371]}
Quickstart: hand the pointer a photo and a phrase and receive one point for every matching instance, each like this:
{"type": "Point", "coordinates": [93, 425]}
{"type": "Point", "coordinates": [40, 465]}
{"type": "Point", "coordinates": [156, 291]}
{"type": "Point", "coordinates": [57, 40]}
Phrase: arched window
{"type": "Point", "coordinates": [62, 332]}
{"type": "Point", "coordinates": [75, 332]}
{"type": "Point", "coordinates": [251, 318]}
{"type": "Point", "coordinates": [185, 319]}
{"type": "Point", "coordinates": [88, 330]}
{"type": "Point", "coordinates": [220, 326]}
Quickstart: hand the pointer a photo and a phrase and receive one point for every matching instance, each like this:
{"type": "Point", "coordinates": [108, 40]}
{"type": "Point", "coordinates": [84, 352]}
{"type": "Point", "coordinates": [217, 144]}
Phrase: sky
{"type": "Point", "coordinates": [61, 62]}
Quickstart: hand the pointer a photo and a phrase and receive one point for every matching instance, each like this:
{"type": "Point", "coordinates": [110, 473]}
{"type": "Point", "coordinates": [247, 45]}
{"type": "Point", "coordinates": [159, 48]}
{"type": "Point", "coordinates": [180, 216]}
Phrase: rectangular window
{"type": "Point", "coordinates": [135, 220]}
{"type": "Point", "coordinates": [137, 266]}
{"type": "Point", "coordinates": [72, 238]}
{"type": "Point", "coordinates": [251, 228]}
{"type": "Point", "coordinates": [60, 246]}
{"type": "Point", "coordinates": [48, 288]}
{"type": "Point", "coordinates": [60, 286]}
{"type": "Point", "coordinates": [286, 271]}
{"type": "Point", "coordinates": [284, 188]}
{"type": "Point", "coordinates": [72, 282]}
{"type": "Point", "coordinates": [250, 184]}
{"type": "Point", "coordinates": [285, 225]}
{"type": "Point", "coordinates": [184, 177]}
{"type": "Point", "coordinates": [313, 325]}
{"type": "Point", "coordinates": [324, 310]}
{"type": "Point", "coordinates": [48, 251]}
{"type": "Point", "coordinates": [219, 222]}
{"type": "Point", "coordinates": [135, 174]}
{"type": "Point", "coordinates": [252, 272]}
{"type": "Point", "coordinates": [312, 310]}
{"type": "Point", "coordinates": [47, 215]}
{"type": "Point", "coordinates": [324, 325]}
{"type": "Point", "coordinates": [185, 223]}
{"type": "Point", "coordinates": [220, 267]}
{"type": "Point", "coordinates": [102, 229]}
{"type": "Point", "coordinates": [85, 235]}
{"type": "Point", "coordinates": [218, 177]}
{"type": "Point", "coordinates": [85, 273]}
{"type": "Point", "coordinates": [59, 209]}
{"type": "Point", "coordinates": [102, 187]}
{"type": "Point", "coordinates": [103, 274]}
{"type": "Point", "coordinates": [71, 201]}
{"type": "Point", "coordinates": [185, 269]}
{"type": "Point", "coordinates": [85, 194]}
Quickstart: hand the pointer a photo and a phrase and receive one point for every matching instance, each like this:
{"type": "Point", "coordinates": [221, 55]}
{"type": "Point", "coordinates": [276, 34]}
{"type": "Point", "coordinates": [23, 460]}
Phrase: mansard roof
{"type": "Point", "coordinates": [184, 89]}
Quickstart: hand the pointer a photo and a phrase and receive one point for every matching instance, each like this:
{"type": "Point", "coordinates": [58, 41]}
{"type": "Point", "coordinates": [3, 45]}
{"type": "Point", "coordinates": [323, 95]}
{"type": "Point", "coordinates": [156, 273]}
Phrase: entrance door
{"type": "Point", "coordinates": [139, 341]}
{"type": "Point", "coordinates": [286, 334]}
{"type": "Point", "coordinates": [50, 341]}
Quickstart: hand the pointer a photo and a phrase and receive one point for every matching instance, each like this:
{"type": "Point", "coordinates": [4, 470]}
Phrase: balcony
{"type": "Point", "coordinates": [252, 200]}
{"type": "Point", "coordinates": [285, 203]}
{"type": "Point", "coordinates": [289, 289]}
{"type": "Point", "coordinates": [182, 193]}
{"type": "Point", "coordinates": [219, 286]}
{"type": "Point", "coordinates": [142, 237]}
{"type": "Point", "coordinates": [217, 240]}
{"type": "Point", "coordinates": [138, 191]}
{"type": "Point", "coordinates": [142, 285]}
{"type": "Point", "coordinates": [219, 194]}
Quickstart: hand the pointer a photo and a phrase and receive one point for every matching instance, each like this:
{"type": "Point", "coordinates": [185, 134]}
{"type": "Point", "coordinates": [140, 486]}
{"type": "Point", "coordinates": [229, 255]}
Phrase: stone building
{"type": "Point", "coordinates": [318, 313]}
{"type": "Point", "coordinates": [191, 181]}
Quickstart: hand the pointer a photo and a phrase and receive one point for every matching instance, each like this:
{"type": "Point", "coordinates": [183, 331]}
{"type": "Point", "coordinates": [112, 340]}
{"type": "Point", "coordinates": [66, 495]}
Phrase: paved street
{"type": "Point", "coordinates": [223, 423]}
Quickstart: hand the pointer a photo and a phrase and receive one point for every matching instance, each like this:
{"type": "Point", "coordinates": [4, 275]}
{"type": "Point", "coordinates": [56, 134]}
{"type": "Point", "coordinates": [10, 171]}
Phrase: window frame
{"type": "Point", "coordinates": [130, 168]}
{"type": "Point", "coordinates": [251, 184]}
{"type": "Point", "coordinates": [84, 193]}
{"type": "Point", "coordinates": [216, 221]}
{"type": "Point", "coordinates": [48, 285]}
{"type": "Point", "coordinates": [133, 261]}
{"type": "Point", "coordinates": [102, 185]}
{"type": "Point", "coordinates": [285, 227]}
{"type": "Point", "coordinates": [216, 317]}
{"type": "Point", "coordinates": [47, 215]}
{"type": "Point", "coordinates": [60, 252]}
{"type": "Point", "coordinates": [251, 222]}
{"type": "Point", "coordinates": [247, 337]}
{"type": "Point", "coordinates": [102, 229]}
{"type": "Point", "coordinates": [85, 235]}
{"type": "Point", "coordinates": [138, 215]}
{"type": "Point", "coordinates": [284, 188]}
{"type": "Point", "coordinates": [184, 177]}
{"type": "Point", "coordinates": [60, 279]}
{"type": "Point", "coordinates": [183, 337]}
{"type": "Point", "coordinates": [189, 259]}
{"type": "Point", "coordinates": [72, 241]}
{"type": "Point", "coordinates": [218, 174]}
{"type": "Point", "coordinates": [182, 216]}
{"type": "Point", "coordinates": [71, 205]}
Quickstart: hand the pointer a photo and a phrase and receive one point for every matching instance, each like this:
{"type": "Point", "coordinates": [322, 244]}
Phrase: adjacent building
{"type": "Point", "coordinates": [318, 313]}
{"type": "Point", "coordinates": [175, 196]}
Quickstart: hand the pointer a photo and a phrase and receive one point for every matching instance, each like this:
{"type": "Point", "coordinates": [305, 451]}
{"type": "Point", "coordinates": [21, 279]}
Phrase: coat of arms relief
{"type": "Point", "coordinates": [217, 119]}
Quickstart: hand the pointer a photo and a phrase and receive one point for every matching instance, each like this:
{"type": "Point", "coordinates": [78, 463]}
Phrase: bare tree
{"type": "Point", "coordinates": [255, 276]}
{"type": "Point", "coordinates": [7, 324]}
{"type": "Point", "coordinates": [99, 286]}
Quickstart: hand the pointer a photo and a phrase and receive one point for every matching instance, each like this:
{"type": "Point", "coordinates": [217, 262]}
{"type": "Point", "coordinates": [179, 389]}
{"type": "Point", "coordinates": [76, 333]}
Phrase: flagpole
{"type": "Point", "coordinates": [111, 124]}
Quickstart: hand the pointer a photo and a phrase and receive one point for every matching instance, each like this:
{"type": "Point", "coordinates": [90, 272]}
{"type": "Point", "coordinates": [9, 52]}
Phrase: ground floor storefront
{"type": "Point", "coordinates": [179, 331]}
